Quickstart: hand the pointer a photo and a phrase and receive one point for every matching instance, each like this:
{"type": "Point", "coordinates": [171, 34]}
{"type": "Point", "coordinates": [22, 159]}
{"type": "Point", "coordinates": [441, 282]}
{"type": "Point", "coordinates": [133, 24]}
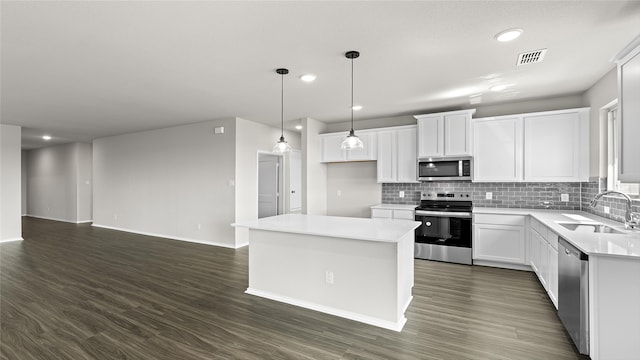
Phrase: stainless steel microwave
{"type": "Point", "coordinates": [449, 168]}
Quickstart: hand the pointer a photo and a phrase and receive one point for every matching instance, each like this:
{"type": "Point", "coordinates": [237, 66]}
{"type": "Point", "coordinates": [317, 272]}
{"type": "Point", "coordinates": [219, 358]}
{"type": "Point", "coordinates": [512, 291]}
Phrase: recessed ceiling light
{"type": "Point", "coordinates": [498, 87]}
{"type": "Point", "coordinates": [307, 77]}
{"type": "Point", "coordinates": [508, 35]}
{"type": "Point", "coordinates": [298, 127]}
{"type": "Point", "coordinates": [357, 107]}
{"type": "Point", "coordinates": [46, 137]}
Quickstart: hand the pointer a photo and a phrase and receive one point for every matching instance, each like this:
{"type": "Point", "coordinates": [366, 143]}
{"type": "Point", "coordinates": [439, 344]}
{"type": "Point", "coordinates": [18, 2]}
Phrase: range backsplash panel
{"type": "Point", "coordinates": [543, 195]}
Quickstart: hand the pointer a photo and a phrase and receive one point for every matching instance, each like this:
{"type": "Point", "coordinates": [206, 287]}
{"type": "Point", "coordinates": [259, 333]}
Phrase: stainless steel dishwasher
{"type": "Point", "coordinates": [573, 293]}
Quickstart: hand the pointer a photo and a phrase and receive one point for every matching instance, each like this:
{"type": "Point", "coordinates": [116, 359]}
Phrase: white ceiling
{"type": "Point", "coordinates": [84, 70]}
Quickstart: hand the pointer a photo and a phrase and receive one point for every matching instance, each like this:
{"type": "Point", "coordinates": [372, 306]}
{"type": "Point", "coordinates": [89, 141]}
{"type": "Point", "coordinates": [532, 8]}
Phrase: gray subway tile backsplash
{"type": "Point", "coordinates": [517, 195]}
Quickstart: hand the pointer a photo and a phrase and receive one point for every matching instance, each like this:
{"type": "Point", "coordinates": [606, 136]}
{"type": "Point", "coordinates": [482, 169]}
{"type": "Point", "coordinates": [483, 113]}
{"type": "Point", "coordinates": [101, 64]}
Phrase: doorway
{"type": "Point", "coordinates": [270, 185]}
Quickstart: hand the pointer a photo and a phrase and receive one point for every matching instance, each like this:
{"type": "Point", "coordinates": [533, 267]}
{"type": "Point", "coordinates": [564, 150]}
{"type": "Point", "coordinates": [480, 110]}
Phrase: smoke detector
{"type": "Point", "coordinates": [531, 57]}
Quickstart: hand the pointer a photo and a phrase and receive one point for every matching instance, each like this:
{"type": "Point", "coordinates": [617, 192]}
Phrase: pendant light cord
{"type": "Point", "coordinates": [281, 105]}
{"type": "Point", "coordinates": [352, 95]}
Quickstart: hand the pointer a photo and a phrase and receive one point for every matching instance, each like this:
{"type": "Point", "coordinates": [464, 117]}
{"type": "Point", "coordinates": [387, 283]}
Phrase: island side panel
{"type": "Point", "coordinates": [614, 296]}
{"type": "Point", "coordinates": [405, 270]}
{"type": "Point", "coordinates": [294, 266]}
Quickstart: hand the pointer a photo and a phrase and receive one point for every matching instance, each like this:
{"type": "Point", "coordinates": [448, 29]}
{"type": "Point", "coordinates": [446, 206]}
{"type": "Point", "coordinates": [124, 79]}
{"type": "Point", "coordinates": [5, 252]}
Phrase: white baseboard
{"type": "Point", "coordinates": [9, 240]}
{"type": "Point", "coordinates": [395, 326]}
{"type": "Point", "coordinates": [57, 219]}
{"type": "Point", "coordinates": [502, 265]}
{"type": "Point", "coordinates": [167, 236]}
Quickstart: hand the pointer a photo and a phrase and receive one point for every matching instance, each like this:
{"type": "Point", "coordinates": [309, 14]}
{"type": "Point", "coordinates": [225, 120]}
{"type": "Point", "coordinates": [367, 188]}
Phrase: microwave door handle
{"type": "Point", "coordinates": [459, 167]}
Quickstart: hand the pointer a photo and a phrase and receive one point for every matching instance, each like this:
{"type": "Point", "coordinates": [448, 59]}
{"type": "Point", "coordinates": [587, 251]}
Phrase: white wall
{"type": "Point", "coordinates": [10, 183]}
{"type": "Point", "coordinates": [84, 176]}
{"type": "Point", "coordinates": [314, 173]}
{"type": "Point", "coordinates": [358, 187]}
{"type": "Point", "coordinates": [252, 137]}
{"type": "Point", "coordinates": [603, 92]}
{"type": "Point", "coordinates": [56, 182]}
{"type": "Point", "coordinates": [23, 187]}
{"type": "Point", "coordinates": [175, 182]}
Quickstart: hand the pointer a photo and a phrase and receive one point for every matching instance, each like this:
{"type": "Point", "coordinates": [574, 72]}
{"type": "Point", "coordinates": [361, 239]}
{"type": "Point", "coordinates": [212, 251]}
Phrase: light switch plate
{"type": "Point", "coordinates": [564, 197]}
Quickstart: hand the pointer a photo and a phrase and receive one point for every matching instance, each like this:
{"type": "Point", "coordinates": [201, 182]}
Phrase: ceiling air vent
{"type": "Point", "coordinates": [531, 57]}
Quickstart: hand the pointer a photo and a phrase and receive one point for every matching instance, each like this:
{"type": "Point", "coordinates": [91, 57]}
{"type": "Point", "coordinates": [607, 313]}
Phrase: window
{"type": "Point", "coordinates": [612, 169]}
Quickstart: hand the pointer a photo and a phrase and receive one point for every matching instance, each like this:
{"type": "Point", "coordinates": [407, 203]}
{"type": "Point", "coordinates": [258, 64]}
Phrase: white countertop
{"type": "Point", "coordinates": [394, 207]}
{"type": "Point", "coordinates": [595, 244]}
{"type": "Point", "coordinates": [383, 230]}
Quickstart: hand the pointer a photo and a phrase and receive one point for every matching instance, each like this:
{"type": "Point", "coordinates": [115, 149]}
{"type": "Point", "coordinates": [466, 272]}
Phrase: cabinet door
{"type": "Point", "coordinates": [552, 147]}
{"type": "Point", "coordinates": [499, 243]}
{"type": "Point", "coordinates": [382, 213]}
{"type": "Point", "coordinates": [497, 150]}
{"type": "Point", "coordinates": [407, 162]}
{"type": "Point", "coordinates": [386, 156]}
{"type": "Point", "coordinates": [534, 251]}
{"type": "Point", "coordinates": [457, 139]}
{"type": "Point", "coordinates": [370, 149]}
{"type": "Point", "coordinates": [330, 148]}
{"type": "Point", "coordinates": [543, 275]}
{"type": "Point", "coordinates": [403, 214]}
{"type": "Point", "coordinates": [552, 281]}
{"type": "Point", "coordinates": [430, 136]}
{"type": "Point", "coordinates": [629, 93]}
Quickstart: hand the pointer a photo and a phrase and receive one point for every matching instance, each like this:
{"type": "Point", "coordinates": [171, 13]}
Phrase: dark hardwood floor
{"type": "Point", "coordinates": [77, 292]}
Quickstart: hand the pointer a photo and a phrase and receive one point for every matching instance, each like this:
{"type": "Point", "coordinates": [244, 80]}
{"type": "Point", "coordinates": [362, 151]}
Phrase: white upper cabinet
{"type": "Point", "coordinates": [407, 160]}
{"type": "Point", "coordinates": [431, 136]}
{"type": "Point", "coordinates": [556, 146]}
{"type": "Point", "coordinates": [444, 134]}
{"type": "Point", "coordinates": [330, 150]}
{"type": "Point", "coordinates": [497, 149]}
{"type": "Point", "coordinates": [387, 171]}
{"type": "Point", "coordinates": [535, 147]}
{"type": "Point", "coordinates": [397, 160]}
{"type": "Point", "coordinates": [629, 110]}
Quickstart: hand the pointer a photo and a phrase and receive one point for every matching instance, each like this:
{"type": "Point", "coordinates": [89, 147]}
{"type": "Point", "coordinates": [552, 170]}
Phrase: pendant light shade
{"type": "Point", "coordinates": [282, 146]}
{"type": "Point", "coordinates": [352, 141]}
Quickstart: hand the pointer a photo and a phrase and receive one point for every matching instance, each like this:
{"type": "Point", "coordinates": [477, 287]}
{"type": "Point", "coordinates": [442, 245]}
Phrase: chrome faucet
{"type": "Point", "coordinates": [631, 219]}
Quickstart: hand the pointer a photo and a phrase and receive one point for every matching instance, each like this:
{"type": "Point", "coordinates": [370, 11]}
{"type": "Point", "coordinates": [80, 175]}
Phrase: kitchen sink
{"type": "Point", "coordinates": [590, 228]}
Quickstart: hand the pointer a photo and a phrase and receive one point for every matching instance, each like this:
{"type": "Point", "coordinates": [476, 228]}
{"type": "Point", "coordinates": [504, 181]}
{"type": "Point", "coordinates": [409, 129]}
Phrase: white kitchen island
{"type": "Point", "coordinates": [359, 269]}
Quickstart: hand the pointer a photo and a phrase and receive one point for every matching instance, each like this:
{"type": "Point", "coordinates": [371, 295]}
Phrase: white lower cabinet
{"type": "Point", "coordinates": [391, 213]}
{"type": "Point", "coordinates": [543, 257]}
{"type": "Point", "coordinates": [499, 239]}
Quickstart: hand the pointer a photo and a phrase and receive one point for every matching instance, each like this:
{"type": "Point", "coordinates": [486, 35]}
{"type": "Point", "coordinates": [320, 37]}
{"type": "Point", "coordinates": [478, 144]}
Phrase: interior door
{"type": "Point", "coordinates": [268, 185]}
{"type": "Point", "coordinates": [295, 181]}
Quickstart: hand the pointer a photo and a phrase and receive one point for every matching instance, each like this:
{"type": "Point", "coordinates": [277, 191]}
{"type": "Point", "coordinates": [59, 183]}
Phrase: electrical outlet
{"type": "Point", "coordinates": [199, 227]}
{"type": "Point", "coordinates": [564, 197]}
{"type": "Point", "coordinates": [339, 193]}
{"type": "Point", "coordinates": [489, 196]}
{"type": "Point", "coordinates": [606, 209]}
{"type": "Point", "coordinates": [328, 277]}
{"type": "Point", "coordinates": [115, 216]}
{"type": "Point", "coordinates": [401, 194]}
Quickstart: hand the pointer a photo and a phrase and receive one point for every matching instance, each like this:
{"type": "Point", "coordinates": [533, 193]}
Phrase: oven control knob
{"type": "Point", "coordinates": [428, 223]}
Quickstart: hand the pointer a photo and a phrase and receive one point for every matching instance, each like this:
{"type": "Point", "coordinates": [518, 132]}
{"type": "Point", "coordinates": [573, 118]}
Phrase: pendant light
{"type": "Point", "coordinates": [352, 141]}
{"type": "Point", "coordinates": [282, 146]}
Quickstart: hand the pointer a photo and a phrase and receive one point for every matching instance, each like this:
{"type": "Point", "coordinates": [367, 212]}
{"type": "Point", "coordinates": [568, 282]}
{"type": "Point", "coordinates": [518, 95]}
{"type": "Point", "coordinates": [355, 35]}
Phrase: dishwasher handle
{"type": "Point", "coordinates": [571, 250]}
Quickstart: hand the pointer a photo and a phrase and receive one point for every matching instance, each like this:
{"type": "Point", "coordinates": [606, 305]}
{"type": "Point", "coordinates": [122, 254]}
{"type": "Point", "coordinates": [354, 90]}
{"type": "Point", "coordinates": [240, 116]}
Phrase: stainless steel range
{"type": "Point", "coordinates": [445, 233]}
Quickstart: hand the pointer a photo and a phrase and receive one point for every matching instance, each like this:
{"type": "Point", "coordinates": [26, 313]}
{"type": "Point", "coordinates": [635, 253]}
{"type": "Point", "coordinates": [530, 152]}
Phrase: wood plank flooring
{"type": "Point", "coordinates": [78, 292]}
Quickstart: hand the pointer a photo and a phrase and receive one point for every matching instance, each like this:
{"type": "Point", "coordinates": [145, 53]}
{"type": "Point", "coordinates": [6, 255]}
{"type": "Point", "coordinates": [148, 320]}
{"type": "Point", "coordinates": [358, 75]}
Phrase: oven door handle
{"type": "Point", "coordinates": [466, 215]}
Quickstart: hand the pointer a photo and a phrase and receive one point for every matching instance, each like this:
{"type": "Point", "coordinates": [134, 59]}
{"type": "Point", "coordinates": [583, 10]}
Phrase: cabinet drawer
{"type": "Point", "coordinates": [552, 239]}
{"type": "Point", "coordinates": [382, 213]}
{"type": "Point", "coordinates": [515, 220]}
{"type": "Point", "coordinates": [403, 214]}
